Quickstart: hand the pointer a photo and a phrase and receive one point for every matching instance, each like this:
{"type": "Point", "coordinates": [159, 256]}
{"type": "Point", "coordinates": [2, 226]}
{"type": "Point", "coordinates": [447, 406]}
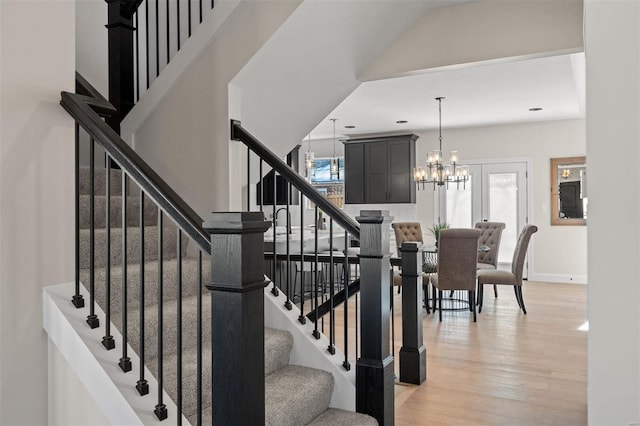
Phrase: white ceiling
{"type": "Point", "coordinates": [480, 95]}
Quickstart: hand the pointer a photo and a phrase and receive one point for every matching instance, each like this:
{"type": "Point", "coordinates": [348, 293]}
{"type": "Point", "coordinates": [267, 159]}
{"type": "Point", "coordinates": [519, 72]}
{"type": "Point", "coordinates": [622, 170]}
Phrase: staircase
{"type": "Point", "coordinates": [294, 395]}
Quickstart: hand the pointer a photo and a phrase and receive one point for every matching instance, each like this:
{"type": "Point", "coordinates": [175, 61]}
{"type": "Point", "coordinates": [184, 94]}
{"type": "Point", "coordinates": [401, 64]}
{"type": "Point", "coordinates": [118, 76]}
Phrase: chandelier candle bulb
{"type": "Point", "coordinates": [454, 157]}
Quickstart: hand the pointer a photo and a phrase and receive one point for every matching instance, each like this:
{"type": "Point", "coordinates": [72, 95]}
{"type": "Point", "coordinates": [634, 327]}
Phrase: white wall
{"type": "Point", "coordinates": [70, 403]}
{"type": "Point", "coordinates": [612, 42]}
{"type": "Point", "coordinates": [186, 138]}
{"type": "Point", "coordinates": [91, 43]}
{"type": "Point", "coordinates": [475, 32]}
{"type": "Point", "coordinates": [36, 189]}
{"type": "Point", "coordinates": [558, 253]}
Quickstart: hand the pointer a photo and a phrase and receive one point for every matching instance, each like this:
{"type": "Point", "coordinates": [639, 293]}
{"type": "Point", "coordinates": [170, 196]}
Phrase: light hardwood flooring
{"type": "Point", "coordinates": [506, 369]}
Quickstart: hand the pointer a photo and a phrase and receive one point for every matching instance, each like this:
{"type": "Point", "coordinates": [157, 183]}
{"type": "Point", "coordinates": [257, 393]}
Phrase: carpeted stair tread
{"type": "Point", "coordinates": [169, 282]}
{"type": "Point", "coordinates": [100, 181]}
{"type": "Point", "coordinates": [169, 235]}
{"type": "Point", "coordinates": [277, 349]}
{"type": "Point", "coordinates": [335, 417]}
{"type": "Point", "coordinates": [295, 395]}
{"type": "Point", "coordinates": [275, 358]}
{"type": "Point", "coordinates": [100, 209]}
{"type": "Point", "coordinates": [170, 329]}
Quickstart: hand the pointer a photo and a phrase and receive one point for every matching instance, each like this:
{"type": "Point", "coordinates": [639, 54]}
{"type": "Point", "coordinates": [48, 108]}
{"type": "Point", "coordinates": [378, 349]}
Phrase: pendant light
{"type": "Point", "coordinates": [335, 166]}
{"type": "Point", "coordinates": [309, 160]}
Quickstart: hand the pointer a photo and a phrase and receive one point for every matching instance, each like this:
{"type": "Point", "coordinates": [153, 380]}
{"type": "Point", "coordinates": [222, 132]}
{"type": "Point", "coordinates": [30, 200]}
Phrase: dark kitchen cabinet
{"type": "Point", "coordinates": [380, 170]}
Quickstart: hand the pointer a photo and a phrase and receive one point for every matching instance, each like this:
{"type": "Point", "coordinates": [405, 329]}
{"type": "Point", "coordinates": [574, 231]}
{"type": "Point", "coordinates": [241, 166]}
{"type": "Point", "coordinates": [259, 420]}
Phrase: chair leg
{"type": "Point", "coordinates": [440, 303]}
{"type": "Point", "coordinates": [519, 290]}
{"type": "Point", "coordinates": [480, 296]}
{"type": "Point", "coordinates": [495, 290]}
{"type": "Point", "coordinates": [472, 303]}
{"type": "Point", "coordinates": [425, 296]}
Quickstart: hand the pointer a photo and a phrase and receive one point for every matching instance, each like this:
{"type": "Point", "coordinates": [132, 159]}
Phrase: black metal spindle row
{"type": "Point", "coordinates": [314, 277]}
{"type": "Point", "coordinates": [87, 157]}
{"type": "Point", "coordinates": [172, 29]}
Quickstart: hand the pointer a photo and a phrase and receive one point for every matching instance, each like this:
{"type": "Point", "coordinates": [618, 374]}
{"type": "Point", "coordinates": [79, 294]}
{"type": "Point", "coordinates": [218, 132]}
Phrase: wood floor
{"type": "Point", "coordinates": [506, 369]}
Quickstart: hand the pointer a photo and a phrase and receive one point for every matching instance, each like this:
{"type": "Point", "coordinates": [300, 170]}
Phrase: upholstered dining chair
{"type": "Point", "coordinates": [513, 277]}
{"type": "Point", "coordinates": [490, 237]}
{"type": "Point", "coordinates": [457, 263]}
{"type": "Point", "coordinates": [407, 231]}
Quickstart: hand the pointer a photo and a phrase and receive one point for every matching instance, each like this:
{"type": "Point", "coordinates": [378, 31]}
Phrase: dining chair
{"type": "Point", "coordinates": [406, 231]}
{"type": "Point", "coordinates": [513, 277]}
{"type": "Point", "coordinates": [457, 263]}
{"type": "Point", "coordinates": [490, 237]}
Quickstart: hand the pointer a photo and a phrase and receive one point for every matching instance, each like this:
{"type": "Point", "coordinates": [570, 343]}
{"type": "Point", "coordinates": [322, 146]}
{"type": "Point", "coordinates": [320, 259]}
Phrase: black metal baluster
{"type": "Point", "coordinates": [178, 31]}
{"type": "Point", "coordinates": [125, 361]}
{"type": "Point", "coordinates": [356, 322]}
{"type": "Point", "coordinates": [200, 11]}
{"type": "Point", "coordinates": [179, 325]}
{"type": "Point", "coordinates": [248, 179]}
{"type": "Point", "coordinates": [274, 290]}
{"type": "Point", "coordinates": [168, 35]}
{"type": "Point", "coordinates": [288, 303]}
{"type": "Point", "coordinates": [78, 300]}
{"type": "Point", "coordinates": [92, 318]}
{"type": "Point", "coordinates": [332, 290]}
{"type": "Point", "coordinates": [157, 38]}
{"type": "Point", "coordinates": [161, 409]}
{"type": "Point", "coordinates": [142, 386]}
{"type": "Point", "coordinates": [302, 319]}
{"type": "Point", "coordinates": [146, 33]}
{"type": "Point", "coordinates": [107, 340]}
{"type": "Point", "coordinates": [189, 13]}
{"type": "Point", "coordinates": [261, 187]}
{"type": "Point", "coordinates": [199, 344]}
{"type": "Point", "coordinates": [137, 64]}
{"type": "Point", "coordinates": [211, 4]}
{"type": "Point", "coordinates": [346, 273]}
{"type": "Point", "coordinates": [316, 332]}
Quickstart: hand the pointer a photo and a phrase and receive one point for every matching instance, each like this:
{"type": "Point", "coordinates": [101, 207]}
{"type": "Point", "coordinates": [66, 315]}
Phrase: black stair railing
{"type": "Point", "coordinates": [143, 37]}
{"type": "Point", "coordinates": [139, 182]}
{"type": "Point", "coordinates": [325, 271]}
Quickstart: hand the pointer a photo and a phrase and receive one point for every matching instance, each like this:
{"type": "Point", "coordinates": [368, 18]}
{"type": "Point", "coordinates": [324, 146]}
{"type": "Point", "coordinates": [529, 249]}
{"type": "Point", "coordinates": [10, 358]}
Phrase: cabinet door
{"type": "Point", "coordinates": [354, 173]}
{"type": "Point", "coordinates": [401, 160]}
{"type": "Point", "coordinates": [376, 180]}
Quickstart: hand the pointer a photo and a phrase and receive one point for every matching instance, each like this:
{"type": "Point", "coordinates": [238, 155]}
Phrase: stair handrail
{"type": "Point", "coordinates": [85, 110]}
{"type": "Point", "coordinates": [239, 133]}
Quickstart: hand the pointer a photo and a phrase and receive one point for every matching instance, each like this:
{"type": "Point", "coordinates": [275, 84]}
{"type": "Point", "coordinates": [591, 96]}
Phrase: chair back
{"type": "Point", "coordinates": [406, 231]}
{"type": "Point", "coordinates": [519, 254]}
{"type": "Point", "coordinates": [458, 258]}
{"type": "Point", "coordinates": [491, 234]}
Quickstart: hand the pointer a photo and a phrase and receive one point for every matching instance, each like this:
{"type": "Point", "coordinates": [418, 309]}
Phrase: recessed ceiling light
{"type": "Point", "coordinates": [349, 127]}
{"type": "Point", "coordinates": [535, 109]}
{"type": "Point", "coordinates": [401, 121]}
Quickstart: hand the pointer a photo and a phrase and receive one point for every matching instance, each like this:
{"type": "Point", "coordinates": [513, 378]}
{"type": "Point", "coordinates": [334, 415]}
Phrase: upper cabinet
{"type": "Point", "coordinates": [379, 170]}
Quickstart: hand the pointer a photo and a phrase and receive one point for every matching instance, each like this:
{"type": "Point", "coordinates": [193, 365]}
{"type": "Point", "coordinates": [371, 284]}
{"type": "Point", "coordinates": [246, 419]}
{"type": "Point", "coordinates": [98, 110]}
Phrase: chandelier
{"type": "Point", "coordinates": [309, 160]}
{"type": "Point", "coordinates": [334, 169]}
{"type": "Point", "coordinates": [436, 171]}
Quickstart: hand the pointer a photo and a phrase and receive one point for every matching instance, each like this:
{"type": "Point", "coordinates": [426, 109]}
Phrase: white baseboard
{"type": "Point", "coordinates": [559, 278]}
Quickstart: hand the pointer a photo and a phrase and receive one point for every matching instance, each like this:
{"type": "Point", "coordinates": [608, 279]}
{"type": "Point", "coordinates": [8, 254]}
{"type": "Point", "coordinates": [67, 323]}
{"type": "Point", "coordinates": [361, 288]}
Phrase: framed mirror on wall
{"type": "Point", "coordinates": [569, 196]}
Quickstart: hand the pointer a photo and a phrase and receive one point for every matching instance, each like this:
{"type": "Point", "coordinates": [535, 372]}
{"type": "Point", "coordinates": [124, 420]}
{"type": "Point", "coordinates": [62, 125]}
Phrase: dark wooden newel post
{"type": "Point", "coordinates": [413, 354]}
{"type": "Point", "coordinates": [374, 368]}
{"type": "Point", "coordinates": [120, 46]}
{"type": "Point", "coordinates": [237, 332]}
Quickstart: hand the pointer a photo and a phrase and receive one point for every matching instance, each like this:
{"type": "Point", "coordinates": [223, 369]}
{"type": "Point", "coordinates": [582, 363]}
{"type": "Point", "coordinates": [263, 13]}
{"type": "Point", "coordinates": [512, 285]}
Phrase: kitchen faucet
{"type": "Point", "coordinates": [288, 218]}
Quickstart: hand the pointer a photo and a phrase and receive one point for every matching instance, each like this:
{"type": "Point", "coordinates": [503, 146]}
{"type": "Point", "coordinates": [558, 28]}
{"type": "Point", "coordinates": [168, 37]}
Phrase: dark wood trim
{"type": "Point", "coordinates": [137, 169]}
{"type": "Point", "coordinates": [237, 323]}
{"type": "Point", "coordinates": [413, 354]}
{"type": "Point", "coordinates": [238, 133]}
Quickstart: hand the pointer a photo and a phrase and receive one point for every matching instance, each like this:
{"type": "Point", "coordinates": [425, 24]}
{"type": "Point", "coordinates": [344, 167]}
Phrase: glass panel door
{"type": "Point", "coordinates": [495, 192]}
{"type": "Point", "coordinates": [504, 200]}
